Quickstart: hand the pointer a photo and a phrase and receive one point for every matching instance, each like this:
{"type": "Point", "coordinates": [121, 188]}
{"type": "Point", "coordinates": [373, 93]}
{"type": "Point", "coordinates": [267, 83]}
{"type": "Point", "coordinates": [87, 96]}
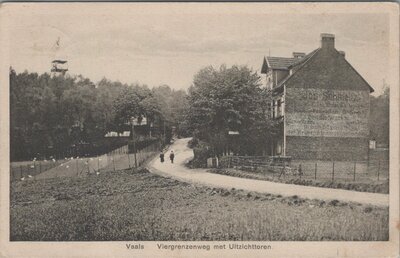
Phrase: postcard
{"type": "Point", "coordinates": [199, 129]}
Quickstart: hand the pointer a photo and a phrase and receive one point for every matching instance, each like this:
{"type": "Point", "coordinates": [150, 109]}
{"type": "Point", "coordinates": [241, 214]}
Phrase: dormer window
{"type": "Point", "coordinates": [298, 55]}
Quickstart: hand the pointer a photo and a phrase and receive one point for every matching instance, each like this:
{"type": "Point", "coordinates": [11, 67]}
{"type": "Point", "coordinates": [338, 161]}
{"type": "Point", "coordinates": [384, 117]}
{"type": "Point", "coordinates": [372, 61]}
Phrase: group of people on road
{"type": "Point", "coordinates": [171, 156]}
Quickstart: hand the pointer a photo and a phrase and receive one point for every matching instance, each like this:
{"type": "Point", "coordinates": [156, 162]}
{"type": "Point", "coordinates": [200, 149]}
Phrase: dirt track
{"type": "Point", "coordinates": [201, 176]}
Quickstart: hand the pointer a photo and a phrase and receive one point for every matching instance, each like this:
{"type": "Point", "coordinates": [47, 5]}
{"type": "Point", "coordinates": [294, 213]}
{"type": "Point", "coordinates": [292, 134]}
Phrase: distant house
{"type": "Point", "coordinates": [322, 104]}
{"type": "Point", "coordinates": [116, 134]}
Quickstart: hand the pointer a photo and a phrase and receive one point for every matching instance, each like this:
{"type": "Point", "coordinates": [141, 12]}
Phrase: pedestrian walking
{"type": "Point", "coordinates": [162, 157]}
{"type": "Point", "coordinates": [172, 156]}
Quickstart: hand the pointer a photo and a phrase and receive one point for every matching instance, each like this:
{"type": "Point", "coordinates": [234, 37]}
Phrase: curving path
{"type": "Point", "coordinates": [201, 176]}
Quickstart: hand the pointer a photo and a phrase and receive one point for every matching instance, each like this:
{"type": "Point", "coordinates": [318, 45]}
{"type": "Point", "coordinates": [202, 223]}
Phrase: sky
{"type": "Point", "coordinates": [154, 46]}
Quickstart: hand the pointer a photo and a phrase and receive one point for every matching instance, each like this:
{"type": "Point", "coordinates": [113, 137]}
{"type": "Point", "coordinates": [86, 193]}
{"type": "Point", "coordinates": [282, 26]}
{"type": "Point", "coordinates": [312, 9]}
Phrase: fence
{"type": "Point", "coordinates": [122, 159]}
{"type": "Point", "coordinates": [32, 168]}
{"type": "Point", "coordinates": [316, 170]}
{"type": "Point", "coordinates": [117, 159]}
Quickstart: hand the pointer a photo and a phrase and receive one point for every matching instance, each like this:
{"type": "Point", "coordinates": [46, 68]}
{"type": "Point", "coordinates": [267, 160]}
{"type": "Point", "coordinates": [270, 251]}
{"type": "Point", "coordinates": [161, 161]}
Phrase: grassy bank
{"type": "Point", "coordinates": [137, 205]}
{"type": "Point", "coordinates": [372, 186]}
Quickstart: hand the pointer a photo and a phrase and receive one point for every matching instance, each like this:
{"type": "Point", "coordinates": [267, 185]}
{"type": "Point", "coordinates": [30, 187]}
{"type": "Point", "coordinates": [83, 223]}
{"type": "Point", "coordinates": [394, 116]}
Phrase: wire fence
{"type": "Point", "coordinates": [280, 167]}
{"type": "Point", "coordinates": [117, 159]}
{"type": "Point", "coordinates": [32, 168]}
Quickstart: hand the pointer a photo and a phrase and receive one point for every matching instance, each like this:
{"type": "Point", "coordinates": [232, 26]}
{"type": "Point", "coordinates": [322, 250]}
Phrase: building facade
{"type": "Point", "coordinates": [322, 104]}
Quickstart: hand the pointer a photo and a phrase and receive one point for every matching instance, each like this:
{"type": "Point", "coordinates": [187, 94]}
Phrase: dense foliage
{"type": "Point", "coordinates": [50, 114]}
{"type": "Point", "coordinates": [230, 99]}
{"type": "Point", "coordinates": [173, 105]}
{"type": "Point", "coordinates": [379, 118]}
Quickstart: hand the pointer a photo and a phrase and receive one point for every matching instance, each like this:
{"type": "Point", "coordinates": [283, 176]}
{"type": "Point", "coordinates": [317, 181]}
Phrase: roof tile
{"type": "Point", "coordinates": [280, 62]}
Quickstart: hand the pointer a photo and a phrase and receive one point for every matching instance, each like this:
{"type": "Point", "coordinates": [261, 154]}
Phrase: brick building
{"type": "Point", "coordinates": [322, 104]}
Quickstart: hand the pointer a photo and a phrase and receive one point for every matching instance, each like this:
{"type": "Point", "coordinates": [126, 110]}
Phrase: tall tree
{"type": "Point", "coordinates": [230, 99]}
{"type": "Point", "coordinates": [173, 105]}
{"type": "Point", "coordinates": [46, 110]}
{"type": "Point", "coordinates": [379, 117]}
{"type": "Point", "coordinates": [135, 102]}
{"type": "Point", "coordinates": [60, 111]}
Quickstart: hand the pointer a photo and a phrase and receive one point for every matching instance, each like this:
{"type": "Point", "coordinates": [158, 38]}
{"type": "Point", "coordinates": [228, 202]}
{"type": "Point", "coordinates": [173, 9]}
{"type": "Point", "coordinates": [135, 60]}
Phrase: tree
{"type": "Point", "coordinates": [57, 112]}
{"type": "Point", "coordinates": [379, 117]}
{"type": "Point", "coordinates": [107, 93]}
{"type": "Point", "coordinates": [46, 110]}
{"type": "Point", "coordinates": [173, 105]}
{"type": "Point", "coordinates": [135, 102]}
{"type": "Point", "coordinates": [230, 99]}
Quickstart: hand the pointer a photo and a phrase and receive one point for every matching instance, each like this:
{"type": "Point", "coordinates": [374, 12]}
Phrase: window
{"type": "Point", "coordinates": [279, 108]}
{"type": "Point", "coordinates": [269, 81]}
{"type": "Point", "coordinates": [272, 108]}
{"type": "Point", "coordinates": [279, 147]}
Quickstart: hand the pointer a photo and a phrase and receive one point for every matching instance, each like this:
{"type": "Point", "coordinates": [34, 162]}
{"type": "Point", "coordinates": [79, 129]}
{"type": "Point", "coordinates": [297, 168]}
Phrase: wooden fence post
{"type": "Point", "coordinates": [315, 171]}
{"type": "Point", "coordinates": [284, 169]}
{"type": "Point", "coordinates": [300, 170]}
{"type": "Point", "coordinates": [21, 171]}
{"type": "Point", "coordinates": [112, 158]}
{"type": "Point", "coordinates": [77, 167]}
{"type": "Point", "coordinates": [379, 168]}
{"type": "Point", "coordinates": [134, 153]}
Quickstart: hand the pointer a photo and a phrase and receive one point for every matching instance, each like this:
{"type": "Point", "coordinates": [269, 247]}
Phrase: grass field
{"type": "Point", "coordinates": [138, 205]}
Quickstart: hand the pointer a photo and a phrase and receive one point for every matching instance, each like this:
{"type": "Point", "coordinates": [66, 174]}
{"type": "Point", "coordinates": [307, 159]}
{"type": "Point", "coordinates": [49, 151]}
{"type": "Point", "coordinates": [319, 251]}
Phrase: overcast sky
{"type": "Point", "coordinates": [168, 46]}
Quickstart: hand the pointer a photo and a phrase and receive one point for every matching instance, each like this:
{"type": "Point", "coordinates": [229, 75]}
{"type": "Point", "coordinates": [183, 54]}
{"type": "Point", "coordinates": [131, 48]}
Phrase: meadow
{"type": "Point", "coordinates": [137, 205]}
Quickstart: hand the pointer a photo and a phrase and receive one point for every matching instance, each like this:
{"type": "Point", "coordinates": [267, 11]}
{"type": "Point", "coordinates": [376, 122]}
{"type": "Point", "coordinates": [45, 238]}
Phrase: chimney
{"type": "Point", "coordinates": [298, 55]}
{"type": "Point", "coordinates": [327, 41]}
{"type": "Point", "coordinates": [342, 53]}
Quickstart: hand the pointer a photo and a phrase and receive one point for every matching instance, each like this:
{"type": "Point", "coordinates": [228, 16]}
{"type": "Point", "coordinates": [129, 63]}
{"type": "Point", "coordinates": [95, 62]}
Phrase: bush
{"type": "Point", "coordinates": [201, 153]}
{"type": "Point", "coordinates": [193, 142]}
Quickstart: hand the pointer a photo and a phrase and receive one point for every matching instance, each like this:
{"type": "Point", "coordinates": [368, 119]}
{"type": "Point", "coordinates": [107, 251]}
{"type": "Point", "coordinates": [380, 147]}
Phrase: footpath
{"type": "Point", "coordinates": [200, 176]}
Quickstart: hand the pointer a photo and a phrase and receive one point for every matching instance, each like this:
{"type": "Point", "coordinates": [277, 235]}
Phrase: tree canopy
{"type": "Point", "coordinates": [230, 99]}
{"type": "Point", "coordinates": [60, 111]}
{"type": "Point", "coordinates": [379, 117]}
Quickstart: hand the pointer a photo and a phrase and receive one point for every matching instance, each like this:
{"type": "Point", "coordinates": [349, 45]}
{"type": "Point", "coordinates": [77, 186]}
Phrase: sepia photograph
{"type": "Point", "coordinates": [201, 127]}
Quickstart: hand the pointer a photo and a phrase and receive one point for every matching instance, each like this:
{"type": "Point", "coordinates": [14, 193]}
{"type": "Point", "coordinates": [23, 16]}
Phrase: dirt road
{"type": "Point", "coordinates": [200, 176]}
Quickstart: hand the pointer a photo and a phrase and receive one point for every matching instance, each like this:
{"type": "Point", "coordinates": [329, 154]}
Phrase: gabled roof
{"type": "Point", "coordinates": [370, 87]}
{"type": "Point", "coordinates": [304, 59]}
{"type": "Point", "coordinates": [280, 63]}
{"type": "Point", "coordinates": [296, 66]}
